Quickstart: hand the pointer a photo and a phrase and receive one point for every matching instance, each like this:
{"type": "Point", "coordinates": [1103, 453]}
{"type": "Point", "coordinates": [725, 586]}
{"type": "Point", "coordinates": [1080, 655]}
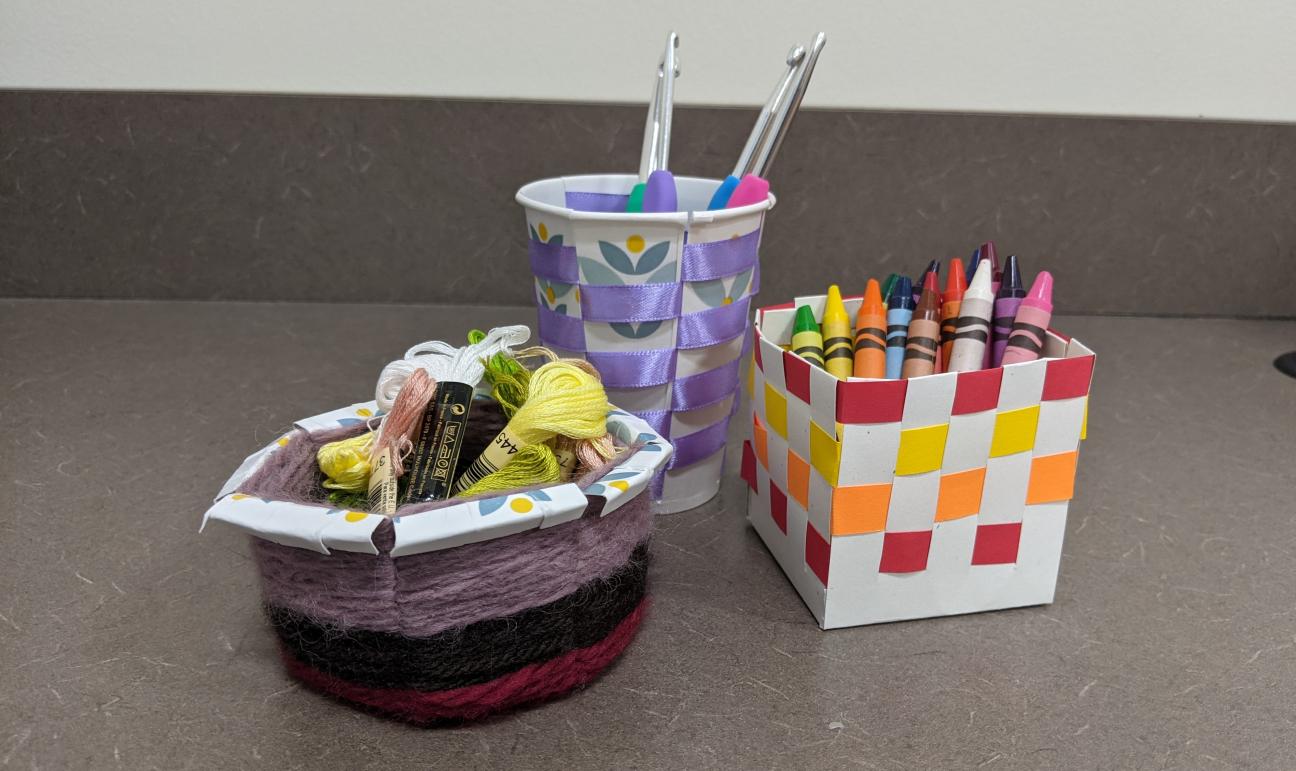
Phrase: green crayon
{"type": "Point", "coordinates": [888, 285]}
{"type": "Point", "coordinates": [807, 340]}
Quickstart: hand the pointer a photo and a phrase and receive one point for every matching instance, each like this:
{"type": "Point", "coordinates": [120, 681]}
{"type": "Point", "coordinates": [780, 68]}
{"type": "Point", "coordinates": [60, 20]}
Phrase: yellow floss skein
{"type": "Point", "coordinates": [563, 398]}
{"type": "Point", "coordinates": [346, 463]}
{"type": "Point", "coordinates": [533, 465]}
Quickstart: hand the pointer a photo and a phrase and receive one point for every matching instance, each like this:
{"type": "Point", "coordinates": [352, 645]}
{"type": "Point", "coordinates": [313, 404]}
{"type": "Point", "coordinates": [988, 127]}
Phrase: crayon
{"type": "Point", "coordinates": [990, 256]}
{"type": "Point", "coordinates": [870, 334]}
{"type": "Point", "coordinates": [955, 286]}
{"type": "Point", "coordinates": [1009, 296]}
{"type": "Point", "coordinates": [838, 354]}
{"type": "Point", "coordinates": [933, 266]}
{"type": "Point", "coordinates": [972, 263]}
{"type": "Point", "coordinates": [1026, 343]}
{"type": "Point", "coordinates": [900, 310]}
{"type": "Point", "coordinates": [807, 341]}
{"type": "Point", "coordinates": [972, 331]}
{"type": "Point", "coordinates": [923, 341]}
{"type": "Point", "coordinates": [888, 286]}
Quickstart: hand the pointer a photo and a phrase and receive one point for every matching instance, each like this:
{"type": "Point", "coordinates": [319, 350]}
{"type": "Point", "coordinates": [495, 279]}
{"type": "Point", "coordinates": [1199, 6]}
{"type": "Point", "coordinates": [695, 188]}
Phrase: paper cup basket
{"type": "Point", "coordinates": [885, 500]}
{"type": "Point", "coordinates": [659, 303]}
{"type": "Point", "coordinates": [453, 610]}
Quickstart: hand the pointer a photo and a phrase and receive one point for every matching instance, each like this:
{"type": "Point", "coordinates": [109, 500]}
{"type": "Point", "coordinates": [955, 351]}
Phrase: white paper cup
{"type": "Point", "coordinates": [660, 303]}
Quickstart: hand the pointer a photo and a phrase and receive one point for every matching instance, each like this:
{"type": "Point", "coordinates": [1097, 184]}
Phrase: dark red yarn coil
{"type": "Point", "coordinates": [530, 684]}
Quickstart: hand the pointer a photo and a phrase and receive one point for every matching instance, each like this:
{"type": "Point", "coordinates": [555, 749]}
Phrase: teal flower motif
{"type": "Point", "coordinates": [650, 259]}
{"type": "Point", "coordinates": [490, 505]}
{"type": "Point", "coordinates": [542, 235]}
{"type": "Point", "coordinates": [714, 293]}
{"type": "Point", "coordinates": [549, 292]}
{"type": "Point", "coordinates": [538, 495]}
{"type": "Point", "coordinates": [635, 332]}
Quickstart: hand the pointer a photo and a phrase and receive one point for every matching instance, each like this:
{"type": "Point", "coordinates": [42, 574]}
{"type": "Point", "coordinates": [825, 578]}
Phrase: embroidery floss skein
{"type": "Point", "coordinates": [445, 363]}
{"type": "Point", "coordinates": [564, 399]}
{"type": "Point", "coordinates": [533, 465]}
{"type": "Point", "coordinates": [346, 463]}
{"type": "Point", "coordinates": [394, 441]}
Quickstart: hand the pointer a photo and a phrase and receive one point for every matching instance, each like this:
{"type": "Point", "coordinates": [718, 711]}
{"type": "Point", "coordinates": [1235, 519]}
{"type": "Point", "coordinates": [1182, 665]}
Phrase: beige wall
{"type": "Point", "coordinates": [1179, 58]}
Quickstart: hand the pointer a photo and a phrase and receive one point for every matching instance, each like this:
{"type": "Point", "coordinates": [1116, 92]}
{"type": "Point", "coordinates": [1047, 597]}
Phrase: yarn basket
{"type": "Point", "coordinates": [453, 610]}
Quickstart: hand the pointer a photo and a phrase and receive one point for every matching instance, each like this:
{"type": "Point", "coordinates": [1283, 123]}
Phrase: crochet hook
{"type": "Point", "coordinates": [656, 190]}
{"type": "Point", "coordinates": [758, 133]}
{"type": "Point", "coordinates": [754, 187]}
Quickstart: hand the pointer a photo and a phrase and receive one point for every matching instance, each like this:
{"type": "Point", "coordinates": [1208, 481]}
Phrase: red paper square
{"type": "Point", "coordinates": [778, 507]}
{"type": "Point", "coordinates": [781, 306]}
{"type": "Point", "coordinates": [1067, 378]}
{"type": "Point", "coordinates": [796, 376]}
{"type": "Point", "coordinates": [749, 465]}
{"type": "Point", "coordinates": [817, 551]}
{"type": "Point", "coordinates": [874, 401]}
{"type": "Point", "coordinates": [977, 391]}
{"type": "Point", "coordinates": [756, 354]}
{"type": "Point", "coordinates": [996, 544]}
{"type": "Point", "coordinates": [905, 552]}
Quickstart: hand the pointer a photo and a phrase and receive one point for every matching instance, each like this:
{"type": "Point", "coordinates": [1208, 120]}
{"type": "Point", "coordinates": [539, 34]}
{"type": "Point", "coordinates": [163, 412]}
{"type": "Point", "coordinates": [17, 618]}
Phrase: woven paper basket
{"type": "Point", "coordinates": [659, 303]}
{"type": "Point", "coordinates": [453, 610]}
{"type": "Point", "coordinates": [885, 500]}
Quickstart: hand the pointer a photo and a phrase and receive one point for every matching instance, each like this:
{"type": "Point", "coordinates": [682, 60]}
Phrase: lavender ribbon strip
{"type": "Point", "coordinates": [634, 369]}
{"type": "Point", "coordinates": [717, 259]}
{"type": "Point", "coordinates": [694, 391]}
{"type": "Point", "coordinates": [711, 326]}
{"type": "Point", "coordinates": [560, 330]}
{"type": "Point", "coordinates": [610, 203]}
{"type": "Point", "coordinates": [631, 304]}
{"type": "Point", "coordinates": [699, 445]}
{"type": "Point", "coordinates": [660, 420]}
{"type": "Point", "coordinates": [553, 261]}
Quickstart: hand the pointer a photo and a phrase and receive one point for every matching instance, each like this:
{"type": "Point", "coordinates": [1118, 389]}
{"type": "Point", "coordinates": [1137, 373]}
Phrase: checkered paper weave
{"type": "Point", "coordinates": [891, 499]}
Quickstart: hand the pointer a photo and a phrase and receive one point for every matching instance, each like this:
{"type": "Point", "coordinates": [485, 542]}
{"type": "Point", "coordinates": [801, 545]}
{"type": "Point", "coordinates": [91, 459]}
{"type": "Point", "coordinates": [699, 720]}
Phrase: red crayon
{"type": "Point", "coordinates": [951, 300]}
{"type": "Point", "coordinates": [1030, 327]}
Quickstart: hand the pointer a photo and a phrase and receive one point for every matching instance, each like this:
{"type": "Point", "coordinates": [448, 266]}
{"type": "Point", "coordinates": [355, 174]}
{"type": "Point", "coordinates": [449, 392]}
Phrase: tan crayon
{"type": "Point", "coordinates": [923, 342]}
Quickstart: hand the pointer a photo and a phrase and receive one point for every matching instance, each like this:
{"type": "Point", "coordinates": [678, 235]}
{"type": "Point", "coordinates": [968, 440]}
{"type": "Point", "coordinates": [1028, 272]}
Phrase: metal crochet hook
{"type": "Point", "coordinates": [760, 130]}
{"type": "Point", "coordinates": [656, 188]}
{"type": "Point", "coordinates": [754, 187]}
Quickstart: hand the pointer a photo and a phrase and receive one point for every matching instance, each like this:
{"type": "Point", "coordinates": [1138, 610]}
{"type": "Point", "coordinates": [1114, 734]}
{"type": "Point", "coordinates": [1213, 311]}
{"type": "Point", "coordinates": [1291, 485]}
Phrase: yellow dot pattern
{"type": "Point", "coordinates": [355, 516]}
{"type": "Point", "coordinates": [620, 484]}
{"type": "Point", "coordinates": [364, 413]}
{"type": "Point", "coordinates": [543, 231]}
{"type": "Point", "coordinates": [521, 505]}
{"type": "Point", "coordinates": [635, 243]}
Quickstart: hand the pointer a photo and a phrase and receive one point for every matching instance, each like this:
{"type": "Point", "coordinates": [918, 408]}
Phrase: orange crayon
{"type": "Point", "coordinates": [923, 343]}
{"type": "Point", "coordinates": [951, 300]}
{"type": "Point", "coordinates": [870, 334]}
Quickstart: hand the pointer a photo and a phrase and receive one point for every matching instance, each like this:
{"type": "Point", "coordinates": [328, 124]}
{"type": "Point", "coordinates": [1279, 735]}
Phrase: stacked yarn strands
{"type": "Point", "coordinates": [659, 303]}
{"type": "Point", "coordinates": [455, 609]}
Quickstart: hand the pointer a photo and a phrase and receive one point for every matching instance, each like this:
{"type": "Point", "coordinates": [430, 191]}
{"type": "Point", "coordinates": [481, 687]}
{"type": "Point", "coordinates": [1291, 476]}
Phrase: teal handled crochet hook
{"type": "Point", "coordinates": [754, 187]}
{"type": "Point", "coordinates": [759, 132]}
{"type": "Point", "coordinates": [655, 191]}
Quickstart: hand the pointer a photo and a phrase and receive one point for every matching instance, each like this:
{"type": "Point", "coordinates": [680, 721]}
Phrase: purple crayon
{"type": "Point", "coordinates": [1010, 294]}
{"type": "Point", "coordinates": [1030, 328]}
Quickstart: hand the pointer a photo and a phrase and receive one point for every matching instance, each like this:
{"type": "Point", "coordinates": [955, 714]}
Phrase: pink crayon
{"type": "Point", "coordinates": [1030, 327]}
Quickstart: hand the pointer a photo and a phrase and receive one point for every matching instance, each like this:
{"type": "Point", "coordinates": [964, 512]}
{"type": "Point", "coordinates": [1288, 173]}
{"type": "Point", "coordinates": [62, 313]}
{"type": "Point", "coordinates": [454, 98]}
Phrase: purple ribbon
{"type": "Point", "coordinates": [611, 203]}
{"type": "Point", "coordinates": [713, 325]}
{"type": "Point", "coordinates": [660, 420]}
{"type": "Point", "coordinates": [716, 259]}
{"type": "Point", "coordinates": [553, 261]}
{"type": "Point", "coordinates": [631, 304]}
{"type": "Point", "coordinates": [700, 445]}
{"type": "Point", "coordinates": [634, 369]}
{"type": "Point", "coordinates": [694, 391]}
{"type": "Point", "coordinates": [560, 330]}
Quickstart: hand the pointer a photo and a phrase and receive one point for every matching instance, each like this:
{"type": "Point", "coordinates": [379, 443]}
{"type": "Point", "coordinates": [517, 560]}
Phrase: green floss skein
{"type": "Point", "coordinates": [532, 465]}
{"type": "Point", "coordinates": [509, 380]}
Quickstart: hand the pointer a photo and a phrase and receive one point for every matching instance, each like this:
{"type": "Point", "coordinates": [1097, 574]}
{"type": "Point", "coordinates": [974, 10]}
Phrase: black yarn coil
{"type": "Point", "coordinates": [473, 654]}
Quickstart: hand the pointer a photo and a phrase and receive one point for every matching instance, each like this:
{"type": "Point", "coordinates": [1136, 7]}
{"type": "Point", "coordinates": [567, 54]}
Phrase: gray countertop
{"type": "Point", "coordinates": [128, 640]}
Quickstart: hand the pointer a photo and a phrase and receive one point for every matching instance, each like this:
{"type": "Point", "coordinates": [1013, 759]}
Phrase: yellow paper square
{"type": "Point", "coordinates": [776, 411]}
{"type": "Point", "coordinates": [1084, 422]}
{"type": "Point", "coordinates": [825, 453]}
{"type": "Point", "coordinates": [921, 449]}
{"type": "Point", "coordinates": [1014, 431]}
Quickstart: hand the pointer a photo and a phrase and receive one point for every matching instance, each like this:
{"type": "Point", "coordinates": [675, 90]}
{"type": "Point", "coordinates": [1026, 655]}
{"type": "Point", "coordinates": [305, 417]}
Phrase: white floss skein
{"type": "Point", "coordinates": [444, 362]}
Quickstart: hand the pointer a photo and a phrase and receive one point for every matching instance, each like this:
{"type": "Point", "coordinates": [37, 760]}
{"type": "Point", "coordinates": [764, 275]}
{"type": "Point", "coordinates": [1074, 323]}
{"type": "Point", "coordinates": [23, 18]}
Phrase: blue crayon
{"type": "Point", "coordinates": [900, 310]}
